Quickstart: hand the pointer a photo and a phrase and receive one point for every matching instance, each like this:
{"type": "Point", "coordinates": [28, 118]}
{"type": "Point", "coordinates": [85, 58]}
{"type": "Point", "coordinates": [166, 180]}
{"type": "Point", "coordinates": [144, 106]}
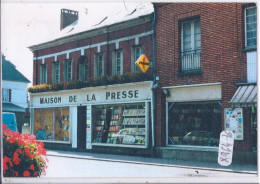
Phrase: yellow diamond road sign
{"type": "Point", "coordinates": [143, 63]}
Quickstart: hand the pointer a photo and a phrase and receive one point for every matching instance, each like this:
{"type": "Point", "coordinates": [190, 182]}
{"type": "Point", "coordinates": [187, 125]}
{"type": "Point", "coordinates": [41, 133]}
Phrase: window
{"type": "Point", "coordinates": [83, 68]}
{"type": "Point", "coordinates": [136, 53]}
{"type": "Point", "coordinates": [117, 64]}
{"type": "Point", "coordinates": [67, 70]}
{"type": "Point", "coordinates": [190, 45]}
{"type": "Point", "coordinates": [6, 94]}
{"type": "Point", "coordinates": [52, 124]}
{"type": "Point", "coordinates": [122, 124]}
{"type": "Point", "coordinates": [250, 27]}
{"type": "Point", "coordinates": [99, 65]}
{"type": "Point", "coordinates": [43, 73]}
{"type": "Point", "coordinates": [56, 72]}
{"type": "Point", "coordinates": [194, 123]}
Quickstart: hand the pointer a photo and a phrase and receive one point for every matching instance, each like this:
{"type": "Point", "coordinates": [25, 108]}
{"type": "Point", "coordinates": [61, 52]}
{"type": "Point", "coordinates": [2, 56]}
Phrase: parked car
{"type": "Point", "coordinates": [200, 138]}
{"type": "Point", "coordinates": [9, 119]}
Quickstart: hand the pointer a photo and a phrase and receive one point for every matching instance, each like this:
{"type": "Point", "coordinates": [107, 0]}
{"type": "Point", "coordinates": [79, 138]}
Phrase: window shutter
{"type": "Point", "coordinates": [122, 63]}
{"type": "Point", "coordinates": [114, 62]}
{"type": "Point", "coordinates": [103, 70]}
{"type": "Point", "coordinates": [132, 59]}
{"type": "Point", "coordinates": [95, 65]}
{"type": "Point", "coordinates": [65, 71]}
{"type": "Point", "coordinates": [53, 72]}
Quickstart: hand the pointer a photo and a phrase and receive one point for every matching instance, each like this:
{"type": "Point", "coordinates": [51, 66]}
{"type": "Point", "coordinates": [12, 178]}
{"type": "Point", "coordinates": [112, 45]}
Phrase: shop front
{"type": "Point", "coordinates": [193, 121]}
{"type": "Point", "coordinates": [87, 118]}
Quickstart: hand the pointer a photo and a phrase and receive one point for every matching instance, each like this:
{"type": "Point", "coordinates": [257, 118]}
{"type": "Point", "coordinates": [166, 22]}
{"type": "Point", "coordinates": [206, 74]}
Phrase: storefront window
{"type": "Point", "coordinates": [194, 123]}
{"type": "Point", "coordinates": [52, 124]}
{"type": "Point", "coordinates": [119, 124]}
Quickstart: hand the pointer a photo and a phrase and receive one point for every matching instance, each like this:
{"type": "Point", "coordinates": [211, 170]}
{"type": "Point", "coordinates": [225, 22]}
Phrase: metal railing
{"type": "Point", "coordinates": [190, 61]}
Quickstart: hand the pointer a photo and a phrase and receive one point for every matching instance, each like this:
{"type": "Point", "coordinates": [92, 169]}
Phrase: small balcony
{"type": "Point", "coordinates": [190, 62]}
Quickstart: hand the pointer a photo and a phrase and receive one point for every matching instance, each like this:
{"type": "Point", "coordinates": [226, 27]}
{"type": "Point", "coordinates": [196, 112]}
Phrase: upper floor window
{"type": "Point", "coordinates": [117, 62]}
{"type": "Point", "coordinates": [83, 68]}
{"type": "Point", "coordinates": [136, 52]}
{"type": "Point", "coordinates": [190, 45]}
{"type": "Point", "coordinates": [250, 27]}
{"type": "Point", "coordinates": [43, 73]}
{"type": "Point", "coordinates": [99, 65]}
{"type": "Point", "coordinates": [6, 95]}
{"type": "Point", "coordinates": [67, 70]}
{"type": "Point", "coordinates": [56, 72]}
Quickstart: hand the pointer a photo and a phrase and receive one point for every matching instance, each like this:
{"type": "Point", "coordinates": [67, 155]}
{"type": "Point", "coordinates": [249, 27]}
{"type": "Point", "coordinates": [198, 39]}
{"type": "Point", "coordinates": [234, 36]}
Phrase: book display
{"type": "Point", "coordinates": [52, 124]}
{"type": "Point", "coordinates": [119, 124]}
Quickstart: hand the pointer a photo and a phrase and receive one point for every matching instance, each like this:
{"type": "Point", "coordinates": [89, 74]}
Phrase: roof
{"type": "Point", "coordinates": [10, 73]}
{"type": "Point", "coordinates": [10, 107]}
{"type": "Point", "coordinates": [246, 95]}
{"type": "Point", "coordinates": [93, 20]}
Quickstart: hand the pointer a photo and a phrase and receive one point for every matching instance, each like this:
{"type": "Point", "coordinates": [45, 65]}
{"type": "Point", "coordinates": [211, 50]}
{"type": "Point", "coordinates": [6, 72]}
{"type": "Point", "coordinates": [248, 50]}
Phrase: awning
{"type": "Point", "coordinates": [245, 96]}
{"type": "Point", "coordinates": [10, 107]}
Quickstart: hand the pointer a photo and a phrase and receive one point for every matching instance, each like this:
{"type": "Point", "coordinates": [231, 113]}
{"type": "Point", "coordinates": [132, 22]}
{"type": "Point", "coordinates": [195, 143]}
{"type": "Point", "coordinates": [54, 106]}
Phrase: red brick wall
{"type": "Point", "coordinates": [146, 42]}
{"type": "Point", "coordinates": [222, 38]}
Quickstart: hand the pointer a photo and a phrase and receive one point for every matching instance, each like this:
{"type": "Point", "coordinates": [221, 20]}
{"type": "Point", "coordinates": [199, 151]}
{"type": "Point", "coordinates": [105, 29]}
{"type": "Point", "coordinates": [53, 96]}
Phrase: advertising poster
{"type": "Point", "coordinates": [234, 122]}
{"type": "Point", "coordinates": [88, 129]}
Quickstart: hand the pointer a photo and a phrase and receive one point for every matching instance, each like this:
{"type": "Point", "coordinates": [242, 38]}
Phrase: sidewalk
{"type": "Point", "coordinates": [237, 168]}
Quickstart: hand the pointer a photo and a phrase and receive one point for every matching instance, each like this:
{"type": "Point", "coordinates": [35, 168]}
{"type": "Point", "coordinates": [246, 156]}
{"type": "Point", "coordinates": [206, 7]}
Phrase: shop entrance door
{"type": "Point", "coordinates": [81, 138]}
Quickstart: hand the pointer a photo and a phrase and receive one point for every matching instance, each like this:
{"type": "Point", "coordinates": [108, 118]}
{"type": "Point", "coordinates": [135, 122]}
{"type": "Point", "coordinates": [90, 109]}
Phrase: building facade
{"type": "Point", "coordinates": [111, 111]}
{"type": "Point", "coordinates": [203, 82]}
{"type": "Point", "coordinates": [14, 93]}
{"type": "Point", "coordinates": [206, 66]}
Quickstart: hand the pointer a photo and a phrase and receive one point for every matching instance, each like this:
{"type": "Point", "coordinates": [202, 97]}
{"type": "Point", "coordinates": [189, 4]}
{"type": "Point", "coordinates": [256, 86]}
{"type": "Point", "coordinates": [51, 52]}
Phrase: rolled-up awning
{"type": "Point", "coordinates": [245, 96]}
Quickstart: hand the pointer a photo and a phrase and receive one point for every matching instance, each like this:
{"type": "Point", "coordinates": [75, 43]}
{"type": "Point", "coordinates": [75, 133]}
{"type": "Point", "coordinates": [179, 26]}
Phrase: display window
{"type": "Point", "coordinates": [195, 123]}
{"type": "Point", "coordinates": [119, 124]}
{"type": "Point", "coordinates": [52, 124]}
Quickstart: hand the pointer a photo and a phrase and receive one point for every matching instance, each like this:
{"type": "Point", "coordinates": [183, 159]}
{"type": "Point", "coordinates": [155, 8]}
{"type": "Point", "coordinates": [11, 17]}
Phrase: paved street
{"type": "Point", "coordinates": [79, 166]}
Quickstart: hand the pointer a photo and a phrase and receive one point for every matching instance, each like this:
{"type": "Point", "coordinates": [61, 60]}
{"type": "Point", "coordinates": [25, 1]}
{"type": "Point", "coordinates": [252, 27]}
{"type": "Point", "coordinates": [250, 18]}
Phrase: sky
{"type": "Point", "coordinates": [26, 24]}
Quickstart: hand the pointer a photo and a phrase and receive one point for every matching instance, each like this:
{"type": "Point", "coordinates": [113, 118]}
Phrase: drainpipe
{"type": "Point", "coordinates": [154, 82]}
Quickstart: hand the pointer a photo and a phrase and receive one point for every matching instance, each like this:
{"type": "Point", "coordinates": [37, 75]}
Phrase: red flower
{"type": "Point", "coordinates": [32, 167]}
{"type": "Point", "coordinates": [35, 173]}
{"type": "Point", "coordinates": [26, 174]}
{"type": "Point", "coordinates": [16, 173]}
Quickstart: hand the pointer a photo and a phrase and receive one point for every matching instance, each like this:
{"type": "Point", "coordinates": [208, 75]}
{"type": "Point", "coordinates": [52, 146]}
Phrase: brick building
{"type": "Point", "coordinates": [206, 68]}
{"type": "Point", "coordinates": [103, 115]}
{"type": "Point", "coordinates": [204, 81]}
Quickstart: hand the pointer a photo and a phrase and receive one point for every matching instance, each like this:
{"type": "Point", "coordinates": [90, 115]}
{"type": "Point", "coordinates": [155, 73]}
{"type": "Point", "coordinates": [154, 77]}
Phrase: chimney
{"type": "Point", "coordinates": [67, 17]}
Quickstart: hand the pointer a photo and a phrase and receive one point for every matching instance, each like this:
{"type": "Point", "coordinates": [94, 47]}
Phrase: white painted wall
{"type": "Point", "coordinates": [19, 92]}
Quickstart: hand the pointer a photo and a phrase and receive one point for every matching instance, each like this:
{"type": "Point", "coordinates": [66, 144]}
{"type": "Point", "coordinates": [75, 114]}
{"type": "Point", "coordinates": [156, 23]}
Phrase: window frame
{"type": "Point", "coordinates": [97, 64]}
{"type": "Point", "coordinates": [192, 21]}
{"type": "Point", "coordinates": [8, 98]}
{"type": "Point", "coordinates": [55, 73]}
{"type": "Point", "coordinates": [66, 71]}
{"type": "Point", "coordinates": [83, 75]}
{"type": "Point", "coordinates": [43, 73]}
{"type": "Point", "coordinates": [245, 27]}
{"type": "Point", "coordinates": [115, 64]}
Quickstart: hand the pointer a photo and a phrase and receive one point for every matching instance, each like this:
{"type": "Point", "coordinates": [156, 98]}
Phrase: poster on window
{"type": "Point", "coordinates": [88, 129]}
{"type": "Point", "coordinates": [234, 122]}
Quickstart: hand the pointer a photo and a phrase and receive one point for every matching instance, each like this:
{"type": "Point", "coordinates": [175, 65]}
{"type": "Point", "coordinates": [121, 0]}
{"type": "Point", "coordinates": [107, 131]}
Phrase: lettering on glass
{"type": "Point", "coordinates": [226, 144]}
